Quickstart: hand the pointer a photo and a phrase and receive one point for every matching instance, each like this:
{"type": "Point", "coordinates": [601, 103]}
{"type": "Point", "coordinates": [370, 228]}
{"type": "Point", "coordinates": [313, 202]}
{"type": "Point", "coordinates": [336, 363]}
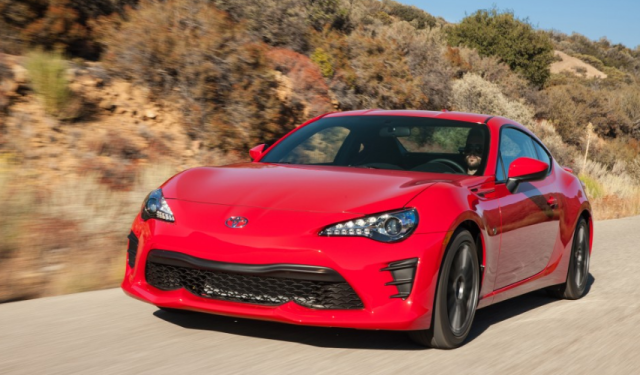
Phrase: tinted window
{"type": "Point", "coordinates": [386, 142]}
{"type": "Point", "coordinates": [320, 148]}
{"type": "Point", "coordinates": [435, 139]}
{"type": "Point", "coordinates": [542, 153]}
{"type": "Point", "coordinates": [514, 144]}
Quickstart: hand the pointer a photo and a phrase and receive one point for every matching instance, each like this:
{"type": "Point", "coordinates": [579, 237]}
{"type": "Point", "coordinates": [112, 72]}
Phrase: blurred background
{"type": "Point", "coordinates": [102, 101]}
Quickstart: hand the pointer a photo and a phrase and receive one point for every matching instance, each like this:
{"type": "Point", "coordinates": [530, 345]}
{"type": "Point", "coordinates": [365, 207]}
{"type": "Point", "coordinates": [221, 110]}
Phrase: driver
{"type": "Point", "coordinates": [474, 150]}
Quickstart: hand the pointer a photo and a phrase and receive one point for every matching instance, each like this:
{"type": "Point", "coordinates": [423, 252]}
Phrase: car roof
{"type": "Point", "coordinates": [443, 115]}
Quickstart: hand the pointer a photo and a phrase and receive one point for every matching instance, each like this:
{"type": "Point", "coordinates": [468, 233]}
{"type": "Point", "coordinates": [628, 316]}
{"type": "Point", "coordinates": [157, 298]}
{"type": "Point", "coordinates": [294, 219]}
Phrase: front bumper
{"type": "Point", "coordinates": [360, 262]}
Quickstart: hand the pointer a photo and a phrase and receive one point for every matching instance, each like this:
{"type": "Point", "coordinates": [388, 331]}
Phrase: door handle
{"type": "Point", "coordinates": [552, 201]}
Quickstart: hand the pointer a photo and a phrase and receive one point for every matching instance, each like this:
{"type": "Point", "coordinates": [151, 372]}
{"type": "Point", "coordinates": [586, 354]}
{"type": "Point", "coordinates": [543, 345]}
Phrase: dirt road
{"type": "Point", "coordinates": [108, 333]}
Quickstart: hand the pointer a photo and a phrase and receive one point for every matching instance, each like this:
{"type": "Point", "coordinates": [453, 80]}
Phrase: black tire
{"type": "Point", "coordinates": [456, 296]}
{"type": "Point", "coordinates": [578, 273]}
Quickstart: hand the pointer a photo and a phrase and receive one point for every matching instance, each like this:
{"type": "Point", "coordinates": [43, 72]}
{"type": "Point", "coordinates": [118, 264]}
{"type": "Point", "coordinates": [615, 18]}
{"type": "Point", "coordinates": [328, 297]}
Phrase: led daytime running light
{"type": "Point", "coordinates": [156, 207]}
{"type": "Point", "coordinates": [385, 227]}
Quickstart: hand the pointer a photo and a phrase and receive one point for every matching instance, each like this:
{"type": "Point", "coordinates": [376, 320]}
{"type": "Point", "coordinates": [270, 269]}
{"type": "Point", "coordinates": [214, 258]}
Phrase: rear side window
{"type": "Point", "coordinates": [513, 144]}
{"type": "Point", "coordinates": [542, 153]}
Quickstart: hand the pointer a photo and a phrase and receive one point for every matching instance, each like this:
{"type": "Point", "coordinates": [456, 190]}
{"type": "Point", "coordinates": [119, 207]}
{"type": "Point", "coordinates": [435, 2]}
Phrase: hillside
{"type": "Point", "coordinates": [575, 66]}
{"type": "Point", "coordinates": [102, 101]}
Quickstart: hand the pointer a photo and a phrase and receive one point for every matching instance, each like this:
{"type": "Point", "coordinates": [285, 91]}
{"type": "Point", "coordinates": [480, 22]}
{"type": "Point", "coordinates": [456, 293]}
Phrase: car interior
{"type": "Point", "coordinates": [384, 150]}
{"type": "Point", "coordinates": [415, 144]}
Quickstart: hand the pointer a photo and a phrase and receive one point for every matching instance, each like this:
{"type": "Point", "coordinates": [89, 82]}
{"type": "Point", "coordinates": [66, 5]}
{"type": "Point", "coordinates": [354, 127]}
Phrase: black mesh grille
{"type": "Point", "coordinates": [253, 289]}
{"type": "Point", "coordinates": [132, 249]}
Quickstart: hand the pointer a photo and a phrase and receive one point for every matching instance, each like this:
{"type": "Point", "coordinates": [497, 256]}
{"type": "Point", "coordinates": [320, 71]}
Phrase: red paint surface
{"type": "Point", "coordinates": [525, 242]}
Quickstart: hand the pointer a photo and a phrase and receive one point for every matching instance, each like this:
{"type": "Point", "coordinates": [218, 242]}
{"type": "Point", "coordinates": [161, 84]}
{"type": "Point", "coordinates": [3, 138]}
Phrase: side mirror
{"type": "Point", "coordinates": [525, 169]}
{"type": "Point", "coordinates": [256, 152]}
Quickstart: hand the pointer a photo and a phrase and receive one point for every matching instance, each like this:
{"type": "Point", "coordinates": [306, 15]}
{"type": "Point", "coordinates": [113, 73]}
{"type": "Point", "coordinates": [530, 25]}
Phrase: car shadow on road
{"type": "Point", "coordinates": [349, 338]}
{"type": "Point", "coordinates": [510, 308]}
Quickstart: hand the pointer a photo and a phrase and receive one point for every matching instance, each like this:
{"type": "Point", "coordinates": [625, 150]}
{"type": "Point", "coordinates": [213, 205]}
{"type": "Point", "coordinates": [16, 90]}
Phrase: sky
{"type": "Point", "coordinates": [617, 20]}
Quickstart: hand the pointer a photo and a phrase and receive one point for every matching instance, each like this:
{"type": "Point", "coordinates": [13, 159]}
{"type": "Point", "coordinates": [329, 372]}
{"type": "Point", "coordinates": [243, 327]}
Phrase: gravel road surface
{"type": "Point", "coordinates": [106, 332]}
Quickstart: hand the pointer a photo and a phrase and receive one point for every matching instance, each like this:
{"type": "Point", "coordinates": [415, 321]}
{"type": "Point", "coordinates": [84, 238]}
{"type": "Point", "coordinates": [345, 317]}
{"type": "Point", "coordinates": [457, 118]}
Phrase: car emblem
{"type": "Point", "coordinates": [236, 222]}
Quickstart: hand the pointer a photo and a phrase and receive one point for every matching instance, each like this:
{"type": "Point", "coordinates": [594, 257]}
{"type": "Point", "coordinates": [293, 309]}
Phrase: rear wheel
{"type": "Point", "coordinates": [456, 296]}
{"type": "Point", "coordinates": [578, 272]}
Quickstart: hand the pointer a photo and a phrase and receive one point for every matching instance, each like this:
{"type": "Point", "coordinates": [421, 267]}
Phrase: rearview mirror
{"type": "Point", "coordinates": [525, 169]}
{"type": "Point", "coordinates": [395, 131]}
{"type": "Point", "coordinates": [257, 152]}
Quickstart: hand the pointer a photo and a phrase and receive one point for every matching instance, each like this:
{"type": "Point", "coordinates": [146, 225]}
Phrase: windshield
{"type": "Point", "coordinates": [387, 142]}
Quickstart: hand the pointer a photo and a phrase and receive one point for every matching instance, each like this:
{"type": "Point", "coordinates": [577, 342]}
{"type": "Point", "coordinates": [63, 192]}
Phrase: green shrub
{"type": "Point", "coordinates": [47, 73]}
{"type": "Point", "coordinates": [412, 14]}
{"type": "Point", "coordinates": [323, 60]}
{"type": "Point", "coordinates": [615, 76]}
{"type": "Point", "coordinates": [515, 41]}
{"type": "Point", "coordinates": [594, 189]}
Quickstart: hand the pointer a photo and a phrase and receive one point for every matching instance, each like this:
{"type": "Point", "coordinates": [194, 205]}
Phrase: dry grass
{"type": "Point", "coordinates": [69, 239]}
{"type": "Point", "coordinates": [614, 207]}
{"type": "Point", "coordinates": [613, 193]}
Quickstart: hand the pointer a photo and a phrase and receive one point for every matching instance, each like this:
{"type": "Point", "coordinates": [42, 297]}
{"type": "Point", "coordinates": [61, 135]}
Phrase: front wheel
{"type": "Point", "coordinates": [578, 273]}
{"type": "Point", "coordinates": [456, 296]}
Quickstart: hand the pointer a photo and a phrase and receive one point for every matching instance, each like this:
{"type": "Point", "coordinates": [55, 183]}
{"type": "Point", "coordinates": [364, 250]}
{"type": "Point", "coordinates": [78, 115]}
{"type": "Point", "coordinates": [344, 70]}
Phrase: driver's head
{"type": "Point", "coordinates": [474, 149]}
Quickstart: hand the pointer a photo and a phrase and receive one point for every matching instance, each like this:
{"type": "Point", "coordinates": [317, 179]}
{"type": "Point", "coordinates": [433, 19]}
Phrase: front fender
{"type": "Point", "coordinates": [446, 207]}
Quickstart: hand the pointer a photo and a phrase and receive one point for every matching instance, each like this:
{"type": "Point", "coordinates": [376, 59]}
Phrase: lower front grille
{"type": "Point", "coordinates": [251, 288]}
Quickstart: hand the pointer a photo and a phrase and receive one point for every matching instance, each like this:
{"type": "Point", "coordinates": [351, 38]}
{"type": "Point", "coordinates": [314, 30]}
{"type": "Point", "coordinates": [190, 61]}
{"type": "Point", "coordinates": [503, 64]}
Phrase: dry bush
{"type": "Point", "coordinates": [512, 84]}
{"type": "Point", "coordinates": [426, 59]}
{"type": "Point", "coordinates": [53, 24]}
{"type": "Point", "coordinates": [341, 82]}
{"type": "Point", "coordinates": [276, 22]}
{"type": "Point", "coordinates": [305, 78]}
{"type": "Point", "coordinates": [190, 51]}
{"type": "Point", "coordinates": [572, 107]}
{"type": "Point", "coordinates": [398, 66]}
{"type": "Point", "coordinates": [474, 94]}
{"type": "Point", "coordinates": [565, 154]}
{"type": "Point", "coordinates": [382, 75]}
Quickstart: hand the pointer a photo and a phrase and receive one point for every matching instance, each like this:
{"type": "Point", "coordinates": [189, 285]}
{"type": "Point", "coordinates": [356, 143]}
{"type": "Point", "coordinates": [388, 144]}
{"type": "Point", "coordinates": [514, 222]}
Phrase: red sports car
{"type": "Point", "coordinates": [374, 219]}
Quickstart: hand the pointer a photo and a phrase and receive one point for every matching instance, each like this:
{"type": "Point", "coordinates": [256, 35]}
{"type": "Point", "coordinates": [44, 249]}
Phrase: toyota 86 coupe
{"type": "Point", "coordinates": [373, 219]}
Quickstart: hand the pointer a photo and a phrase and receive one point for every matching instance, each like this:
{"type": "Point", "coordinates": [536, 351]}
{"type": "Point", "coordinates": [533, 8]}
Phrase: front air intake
{"type": "Point", "coordinates": [132, 249]}
{"type": "Point", "coordinates": [403, 273]}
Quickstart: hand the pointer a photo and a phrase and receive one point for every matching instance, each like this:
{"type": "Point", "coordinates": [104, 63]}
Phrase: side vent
{"type": "Point", "coordinates": [403, 273]}
{"type": "Point", "coordinates": [132, 249]}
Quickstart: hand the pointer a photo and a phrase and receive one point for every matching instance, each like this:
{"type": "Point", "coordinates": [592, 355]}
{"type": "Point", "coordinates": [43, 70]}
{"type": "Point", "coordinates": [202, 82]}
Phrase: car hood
{"type": "Point", "coordinates": [299, 188]}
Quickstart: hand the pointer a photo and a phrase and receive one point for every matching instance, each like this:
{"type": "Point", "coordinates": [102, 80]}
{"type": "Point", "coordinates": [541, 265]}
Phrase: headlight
{"type": "Point", "coordinates": [385, 227]}
{"type": "Point", "coordinates": [156, 207]}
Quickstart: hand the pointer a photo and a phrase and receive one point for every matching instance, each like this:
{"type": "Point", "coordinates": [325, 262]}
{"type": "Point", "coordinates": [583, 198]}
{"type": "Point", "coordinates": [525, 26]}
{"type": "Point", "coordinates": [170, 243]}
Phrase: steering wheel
{"type": "Point", "coordinates": [449, 163]}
